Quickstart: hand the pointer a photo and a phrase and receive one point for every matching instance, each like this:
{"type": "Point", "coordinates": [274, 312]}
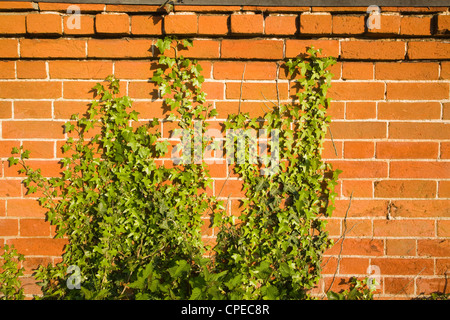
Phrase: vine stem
{"type": "Point", "coordinates": [342, 242]}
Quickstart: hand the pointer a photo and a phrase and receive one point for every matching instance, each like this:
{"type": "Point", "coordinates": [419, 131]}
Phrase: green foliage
{"type": "Point", "coordinates": [134, 226]}
{"type": "Point", "coordinates": [11, 269]}
{"type": "Point", "coordinates": [277, 246]}
{"type": "Point", "coordinates": [358, 290]}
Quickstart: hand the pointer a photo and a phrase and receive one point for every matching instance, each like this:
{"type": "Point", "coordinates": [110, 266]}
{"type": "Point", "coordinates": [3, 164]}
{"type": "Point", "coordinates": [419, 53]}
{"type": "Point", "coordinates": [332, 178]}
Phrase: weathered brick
{"type": "Point", "coordinates": [281, 25]}
{"type": "Point", "coordinates": [247, 23]}
{"type": "Point", "coordinates": [112, 23]}
{"type": "Point", "coordinates": [405, 189]}
{"type": "Point", "coordinates": [146, 25]}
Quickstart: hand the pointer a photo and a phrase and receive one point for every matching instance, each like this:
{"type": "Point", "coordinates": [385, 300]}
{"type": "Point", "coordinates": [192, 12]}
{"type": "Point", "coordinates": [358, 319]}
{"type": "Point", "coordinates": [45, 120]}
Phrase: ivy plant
{"type": "Point", "coordinates": [133, 223]}
{"type": "Point", "coordinates": [11, 270]}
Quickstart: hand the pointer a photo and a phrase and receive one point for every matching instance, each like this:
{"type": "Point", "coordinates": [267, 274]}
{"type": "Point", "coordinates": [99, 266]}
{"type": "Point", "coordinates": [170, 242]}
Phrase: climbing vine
{"type": "Point", "coordinates": [133, 223]}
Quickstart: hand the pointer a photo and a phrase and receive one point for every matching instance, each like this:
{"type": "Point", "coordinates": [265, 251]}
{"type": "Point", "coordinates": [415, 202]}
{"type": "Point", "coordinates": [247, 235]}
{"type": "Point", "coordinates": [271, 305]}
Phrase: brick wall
{"type": "Point", "coordinates": [390, 109]}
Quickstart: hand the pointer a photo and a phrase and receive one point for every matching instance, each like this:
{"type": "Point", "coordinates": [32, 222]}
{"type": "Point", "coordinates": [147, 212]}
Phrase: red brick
{"type": "Point", "coordinates": [12, 24]}
{"type": "Point", "coordinates": [415, 26]}
{"type": "Point", "coordinates": [398, 286]}
{"type": "Point", "coordinates": [433, 247]}
{"type": "Point", "coordinates": [407, 150]}
{"type": "Point", "coordinates": [405, 189]}
{"type": "Point", "coordinates": [188, 8]}
{"type": "Point", "coordinates": [357, 71]}
{"type": "Point", "coordinates": [361, 169]}
{"type": "Point", "coordinates": [353, 266]}
{"type": "Point", "coordinates": [420, 208]}
{"type": "Point", "coordinates": [446, 111]}
{"type": "Point", "coordinates": [358, 247]}
{"type": "Point", "coordinates": [48, 23]}
{"type": "Point", "coordinates": [359, 228]}
{"type": "Point", "coordinates": [146, 25]}
{"type": "Point", "coordinates": [5, 109]}
{"type": "Point", "coordinates": [7, 70]}
{"type": "Point", "coordinates": [358, 130]}
{"type": "Point", "coordinates": [34, 228]}
{"type": "Point", "coordinates": [201, 49]}
{"type": "Point", "coordinates": [403, 228]}
{"type": "Point", "coordinates": [6, 147]}
{"type": "Point", "coordinates": [33, 129]}
{"type": "Point", "coordinates": [444, 189]}
{"type": "Point", "coordinates": [389, 25]}
{"type": "Point", "coordinates": [32, 263]}
{"type": "Point", "coordinates": [39, 246]}
{"type": "Point", "coordinates": [229, 188]}
{"type": "Point", "coordinates": [16, 6]}
{"type": "Point", "coordinates": [86, 25]}
{"type": "Point", "coordinates": [62, 7]}
{"type": "Point", "coordinates": [79, 69]}
{"type": "Point", "coordinates": [361, 110]}
{"type": "Point", "coordinates": [214, 90]}
{"type": "Point", "coordinates": [112, 23]}
{"type": "Point", "coordinates": [445, 150]}
{"type": "Point", "coordinates": [420, 169]}
{"type": "Point", "coordinates": [78, 89]}
{"type": "Point", "coordinates": [336, 110]}
{"type": "Point", "coordinates": [10, 188]}
{"type": "Point", "coordinates": [274, 9]}
{"type": "Point", "coordinates": [9, 48]}
{"type": "Point", "coordinates": [52, 48]}
{"type": "Point", "coordinates": [296, 47]}
{"type": "Point", "coordinates": [30, 90]}
{"type": "Point", "coordinates": [32, 109]}
{"type": "Point", "coordinates": [247, 23]}
{"type": "Point", "coordinates": [256, 91]}
{"type": "Point", "coordinates": [442, 266]}
{"type": "Point", "coordinates": [357, 91]}
{"type": "Point", "coordinates": [255, 109]}
{"type": "Point", "coordinates": [64, 109]}
{"type": "Point", "coordinates": [132, 8]}
{"type": "Point", "coordinates": [31, 69]}
{"type": "Point", "coordinates": [9, 227]}
{"type": "Point", "coordinates": [252, 49]}
{"type": "Point", "coordinates": [39, 149]}
{"type": "Point", "coordinates": [347, 24]}
{"type": "Point", "coordinates": [430, 285]}
{"type": "Point", "coordinates": [233, 70]}
{"type": "Point", "coordinates": [119, 48]}
{"type": "Point", "coordinates": [329, 152]}
{"type": "Point", "coordinates": [358, 149]}
{"type": "Point", "coordinates": [407, 71]}
{"type": "Point", "coordinates": [401, 247]}
{"type": "Point", "coordinates": [49, 168]}
{"type": "Point", "coordinates": [25, 208]}
{"type": "Point", "coordinates": [142, 90]}
{"type": "Point", "coordinates": [443, 23]}
{"type": "Point", "coordinates": [180, 24]}
{"type": "Point", "coordinates": [409, 110]}
{"type": "Point", "coordinates": [373, 50]}
{"type": "Point", "coordinates": [213, 24]}
{"type": "Point", "coordinates": [359, 188]}
{"type": "Point", "coordinates": [443, 228]}
{"type": "Point", "coordinates": [419, 130]}
{"type": "Point", "coordinates": [133, 69]}
{"type": "Point", "coordinates": [417, 91]}
{"type": "Point", "coordinates": [428, 50]}
{"type": "Point", "coordinates": [315, 23]}
{"type": "Point", "coordinates": [445, 70]}
{"type": "Point", "coordinates": [281, 25]}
